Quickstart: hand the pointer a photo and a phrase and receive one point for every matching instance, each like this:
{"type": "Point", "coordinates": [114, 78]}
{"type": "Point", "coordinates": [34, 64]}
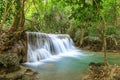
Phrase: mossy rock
{"type": "Point", "coordinates": [22, 74]}
{"type": "Point", "coordinates": [100, 71]}
{"type": "Point", "coordinates": [9, 60]}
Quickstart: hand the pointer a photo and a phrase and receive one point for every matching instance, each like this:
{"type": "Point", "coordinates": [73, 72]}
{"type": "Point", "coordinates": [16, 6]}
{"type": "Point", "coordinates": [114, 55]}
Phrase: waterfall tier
{"type": "Point", "coordinates": [42, 46]}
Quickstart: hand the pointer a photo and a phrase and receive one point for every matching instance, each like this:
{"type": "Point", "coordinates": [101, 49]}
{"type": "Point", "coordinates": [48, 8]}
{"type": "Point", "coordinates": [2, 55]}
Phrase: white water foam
{"type": "Point", "coordinates": [49, 47]}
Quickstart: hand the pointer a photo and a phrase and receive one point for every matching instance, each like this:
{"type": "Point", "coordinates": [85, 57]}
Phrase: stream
{"type": "Point", "coordinates": [70, 68]}
{"type": "Point", "coordinates": [55, 57]}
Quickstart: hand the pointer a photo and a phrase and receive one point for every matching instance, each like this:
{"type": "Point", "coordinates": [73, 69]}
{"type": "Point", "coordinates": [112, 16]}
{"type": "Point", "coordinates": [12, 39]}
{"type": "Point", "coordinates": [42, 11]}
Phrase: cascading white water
{"type": "Point", "coordinates": [42, 46]}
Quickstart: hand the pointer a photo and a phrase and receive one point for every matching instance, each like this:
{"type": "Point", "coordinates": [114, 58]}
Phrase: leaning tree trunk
{"type": "Point", "coordinates": [14, 40]}
{"type": "Point", "coordinates": [19, 18]}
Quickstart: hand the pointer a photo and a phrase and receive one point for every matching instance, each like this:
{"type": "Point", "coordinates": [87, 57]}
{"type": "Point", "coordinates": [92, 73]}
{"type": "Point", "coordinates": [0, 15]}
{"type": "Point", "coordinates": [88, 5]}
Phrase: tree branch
{"type": "Point", "coordinates": [5, 13]}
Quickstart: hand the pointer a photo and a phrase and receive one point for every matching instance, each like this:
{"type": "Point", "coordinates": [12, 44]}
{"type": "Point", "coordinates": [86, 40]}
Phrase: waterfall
{"type": "Point", "coordinates": [42, 46]}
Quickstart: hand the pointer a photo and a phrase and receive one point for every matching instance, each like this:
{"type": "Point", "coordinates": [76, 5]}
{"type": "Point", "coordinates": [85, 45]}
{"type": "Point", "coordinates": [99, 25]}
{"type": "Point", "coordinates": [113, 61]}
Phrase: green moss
{"type": "Point", "coordinates": [8, 60]}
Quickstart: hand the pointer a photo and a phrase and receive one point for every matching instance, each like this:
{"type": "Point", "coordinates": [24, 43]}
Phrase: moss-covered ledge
{"type": "Point", "coordinates": [11, 69]}
{"type": "Point", "coordinates": [20, 74]}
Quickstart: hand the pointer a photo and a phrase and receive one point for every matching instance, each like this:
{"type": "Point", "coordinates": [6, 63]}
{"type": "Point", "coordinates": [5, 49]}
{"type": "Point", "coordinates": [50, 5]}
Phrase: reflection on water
{"type": "Point", "coordinates": [70, 68]}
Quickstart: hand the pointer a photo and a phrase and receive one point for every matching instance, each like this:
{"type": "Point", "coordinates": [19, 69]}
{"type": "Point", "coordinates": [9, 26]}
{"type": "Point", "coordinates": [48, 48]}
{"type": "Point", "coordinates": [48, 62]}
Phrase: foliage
{"type": "Point", "coordinates": [6, 13]}
{"type": "Point", "coordinates": [48, 17]}
{"type": "Point", "coordinates": [69, 16]}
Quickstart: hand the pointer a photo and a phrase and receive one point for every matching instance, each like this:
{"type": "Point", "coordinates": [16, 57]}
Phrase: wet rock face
{"type": "Point", "coordinates": [20, 49]}
{"type": "Point", "coordinates": [96, 64]}
{"type": "Point", "coordinates": [14, 43]}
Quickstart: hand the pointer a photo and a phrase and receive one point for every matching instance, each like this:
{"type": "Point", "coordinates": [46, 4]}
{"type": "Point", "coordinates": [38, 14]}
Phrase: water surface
{"type": "Point", "coordinates": [70, 67]}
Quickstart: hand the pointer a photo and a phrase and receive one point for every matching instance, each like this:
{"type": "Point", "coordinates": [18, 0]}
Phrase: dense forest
{"type": "Point", "coordinates": [92, 24]}
{"type": "Point", "coordinates": [82, 19]}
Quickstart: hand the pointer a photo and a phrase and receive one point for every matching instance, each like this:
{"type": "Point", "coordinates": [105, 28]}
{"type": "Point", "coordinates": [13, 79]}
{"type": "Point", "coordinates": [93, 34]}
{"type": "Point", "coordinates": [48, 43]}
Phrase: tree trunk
{"type": "Point", "coordinates": [115, 14]}
{"type": "Point", "coordinates": [104, 34]}
{"type": "Point", "coordinates": [104, 43]}
{"type": "Point", "coordinates": [81, 37]}
{"type": "Point", "coordinates": [14, 40]}
{"type": "Point", "coordinates": [19, 18]}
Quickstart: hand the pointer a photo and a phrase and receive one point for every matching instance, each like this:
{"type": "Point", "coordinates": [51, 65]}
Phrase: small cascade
{"type": "Point", "coordinates": [42, 46]}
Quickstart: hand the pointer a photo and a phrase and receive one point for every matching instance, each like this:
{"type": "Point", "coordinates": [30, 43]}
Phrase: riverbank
{"type": "Point", "coordinates": [98, 71]}
{"type": "Point", "coordinates": [59, 69]}
{"type": "Point", "coordinates": [20, 73]}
